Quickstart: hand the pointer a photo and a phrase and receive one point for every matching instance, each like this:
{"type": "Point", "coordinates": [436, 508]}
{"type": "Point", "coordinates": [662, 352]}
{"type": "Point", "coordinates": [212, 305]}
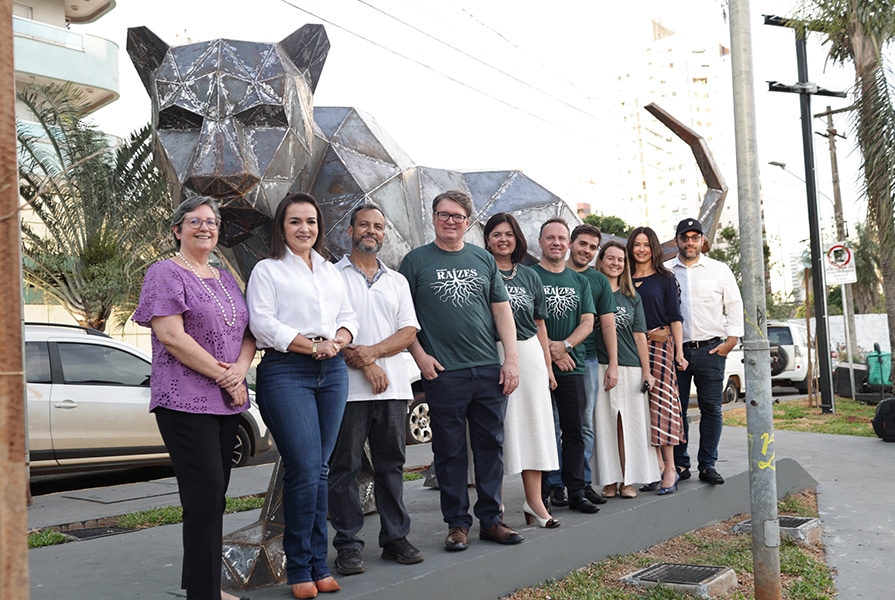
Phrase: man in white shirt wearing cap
{"type": "Point", "coordinates": [712, 308]}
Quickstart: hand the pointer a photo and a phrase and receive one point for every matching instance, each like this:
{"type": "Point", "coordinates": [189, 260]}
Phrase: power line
{"type": "Point", "coordinates": [477, 59]}
{"type": "Point", "coordinates": [438, 72]}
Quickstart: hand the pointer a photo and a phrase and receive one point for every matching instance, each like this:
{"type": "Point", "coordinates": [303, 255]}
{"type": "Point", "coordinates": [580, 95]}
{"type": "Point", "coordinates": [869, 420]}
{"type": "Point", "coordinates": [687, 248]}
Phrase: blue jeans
{"type": "Point", "coordinates": [707, 372]}
{"type": "Point", "coordinates": [302, 401]}
{"type": "Point", "coordinates": [591, 387]}
{"type": "Point", "coordinates": [384, 423]}
{"type": "Point", "coordinates": [456, 398]}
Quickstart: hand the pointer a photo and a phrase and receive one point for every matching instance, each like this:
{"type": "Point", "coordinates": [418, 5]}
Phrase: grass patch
{"type": "Point", "coordinates": [170, 515]}
{"type": "Point", "coordinates": [46, 537]}
{"type": "Point", "coordinates": [804, 574]}
{"type": "Point", "coordinates": [412, 476]}
{"type": "Point", "coordinates": [851, 418]}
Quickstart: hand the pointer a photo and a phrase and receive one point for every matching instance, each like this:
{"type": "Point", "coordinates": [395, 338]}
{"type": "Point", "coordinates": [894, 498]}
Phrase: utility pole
{"type": "Point", "coordinates": [14, 489]}
{"type": "Point", "coordinates": [756, 349]}
{"type": "Point", "coordinates": [806, 89]}
{"type": "Point", "coordinates": [848, 310]}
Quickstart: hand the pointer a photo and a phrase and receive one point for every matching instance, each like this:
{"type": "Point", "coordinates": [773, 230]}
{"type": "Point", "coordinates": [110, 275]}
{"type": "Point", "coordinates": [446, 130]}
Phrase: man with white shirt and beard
{"type": "Point", "coordinates": [378, 392]}
{"type": "Point", "coordinates": [712, 308]}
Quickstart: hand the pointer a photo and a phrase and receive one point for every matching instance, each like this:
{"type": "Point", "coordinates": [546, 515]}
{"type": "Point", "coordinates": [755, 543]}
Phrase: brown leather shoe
{"type": "Point", "coordinates": [500, 533]}
{"type": "Point", "coordinates": [303, 591]}
{"type": "Point", "coordinates": [457, 539]}
{"type": "Point", "coordinates": [327, 585]}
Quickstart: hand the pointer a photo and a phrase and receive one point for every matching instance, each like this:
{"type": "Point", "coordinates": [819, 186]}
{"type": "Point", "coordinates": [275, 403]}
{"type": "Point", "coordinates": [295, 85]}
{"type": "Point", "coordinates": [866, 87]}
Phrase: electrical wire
{"type": "Point", "coordinates": [441, 73]}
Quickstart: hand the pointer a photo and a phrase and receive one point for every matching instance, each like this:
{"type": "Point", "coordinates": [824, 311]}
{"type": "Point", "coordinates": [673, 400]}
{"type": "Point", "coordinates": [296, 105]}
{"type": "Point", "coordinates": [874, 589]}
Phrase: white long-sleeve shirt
{"type": "Point", "coordinates": [287, 299]}
{"type": "Point", "coordinates": [711, 303]}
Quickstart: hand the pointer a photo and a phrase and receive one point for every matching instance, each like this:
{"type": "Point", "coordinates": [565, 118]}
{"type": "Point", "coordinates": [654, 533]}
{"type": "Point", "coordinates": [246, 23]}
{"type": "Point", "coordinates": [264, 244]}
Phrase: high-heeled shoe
{"type": "Point", "coordinates": [303, 591]}
{"type": "Point", "coordinates": [531, 517]}
{"type": "Point", "coordinates": [664, 491]}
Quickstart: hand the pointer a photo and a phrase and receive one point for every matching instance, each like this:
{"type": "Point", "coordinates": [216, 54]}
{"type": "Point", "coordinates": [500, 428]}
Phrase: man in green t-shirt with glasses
{"type": "Point", "coordinates": [570, 319]}
{"type": "Point", "coordinates": [462, 304]}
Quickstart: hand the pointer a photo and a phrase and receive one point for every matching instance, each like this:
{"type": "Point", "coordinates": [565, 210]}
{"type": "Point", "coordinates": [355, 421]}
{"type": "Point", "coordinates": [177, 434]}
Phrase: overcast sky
{"type": "Point", "coordinates": [499, 84]}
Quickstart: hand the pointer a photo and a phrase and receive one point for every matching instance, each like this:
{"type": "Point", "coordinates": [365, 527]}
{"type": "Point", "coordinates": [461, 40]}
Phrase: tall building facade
{"type": "Point", "coordinates": [658, 179]}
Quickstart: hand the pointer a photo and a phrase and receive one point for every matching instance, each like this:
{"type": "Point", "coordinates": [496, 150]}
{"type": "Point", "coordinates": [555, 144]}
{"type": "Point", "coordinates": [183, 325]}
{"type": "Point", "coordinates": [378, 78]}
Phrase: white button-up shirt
{"type": "Point", "coordinates": [711, 303]}
{"type": "Point", "coordinates": [287, 299]}
{"type": "Point", "coordinates": [382, 309]}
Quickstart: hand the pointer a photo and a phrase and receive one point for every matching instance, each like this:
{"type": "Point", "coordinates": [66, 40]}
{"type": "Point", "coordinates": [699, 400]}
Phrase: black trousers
{"type": "Point", "coordinates": [201, 449]}
{"type": "Point", "coordinates": [569, 397]}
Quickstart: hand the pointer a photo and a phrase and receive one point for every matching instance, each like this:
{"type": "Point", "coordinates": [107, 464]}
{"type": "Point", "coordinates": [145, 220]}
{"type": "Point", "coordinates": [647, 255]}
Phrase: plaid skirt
{"type": "Point", "coordinates": [666, 426]}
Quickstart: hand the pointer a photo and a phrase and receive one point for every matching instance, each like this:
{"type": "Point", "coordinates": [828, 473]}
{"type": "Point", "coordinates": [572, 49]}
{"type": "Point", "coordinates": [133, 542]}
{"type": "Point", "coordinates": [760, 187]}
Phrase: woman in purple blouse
{"type": "Point", "coordinates": [201, 351]}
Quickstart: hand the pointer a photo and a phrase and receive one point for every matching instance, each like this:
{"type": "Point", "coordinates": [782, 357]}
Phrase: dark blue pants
{"type": "Point", "coordinates": [456, 398]}
{"type": "Point", "coordinates": [302, 401]}
{"type": "Point", "coordinates": [383, 423]}
{"type": "Point", "coordinates": [706, 371]}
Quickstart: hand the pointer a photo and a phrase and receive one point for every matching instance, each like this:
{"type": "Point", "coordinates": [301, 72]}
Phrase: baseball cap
{"type": "Point", "coordinates": [688, 225]}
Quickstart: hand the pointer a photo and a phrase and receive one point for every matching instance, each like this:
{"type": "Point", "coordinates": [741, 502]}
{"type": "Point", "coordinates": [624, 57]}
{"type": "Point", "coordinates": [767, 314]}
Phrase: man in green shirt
{"type": "Point", "coordinates": [463, 306]}
{"type": "Point", "coordinates": [584, 244]}
{"type": "Point", "coordinates": [570, 319]}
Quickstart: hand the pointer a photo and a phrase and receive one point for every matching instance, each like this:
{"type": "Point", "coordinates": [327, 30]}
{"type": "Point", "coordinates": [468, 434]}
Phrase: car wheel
{"type": "Point", "coordinates": [419, 428]}
{"type": "Point", "coordinates": [731, 391]}
{"type": "Point", "coordinates": [242, 450]}
{"type": "Point", "coordinates": [779, 360]}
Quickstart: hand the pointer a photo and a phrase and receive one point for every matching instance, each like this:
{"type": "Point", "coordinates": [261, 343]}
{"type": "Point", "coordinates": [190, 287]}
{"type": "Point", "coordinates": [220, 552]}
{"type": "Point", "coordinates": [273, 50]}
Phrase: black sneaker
{"type": "Point", "coordinates": [402, 551]}
{"type": "Point", "coordinates": [710, 475]}
{"type": "Point", "coordinates": [593, 495]}
{"type": "Point", "coordinates": [558, 496]}
{"type": "Point", "coordinates": [349, 562]}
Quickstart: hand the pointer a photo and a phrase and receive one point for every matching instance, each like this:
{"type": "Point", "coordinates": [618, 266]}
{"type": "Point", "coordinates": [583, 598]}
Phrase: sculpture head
{"type": "Point", "coordinates": [234, 120]}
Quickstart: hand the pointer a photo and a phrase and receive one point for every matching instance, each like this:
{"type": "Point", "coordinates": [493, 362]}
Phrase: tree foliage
{"type": "Point", "coordinates": [858, 31]}
{"type": "Point", "coordinates": [102, 208]}
{"type": "Point", "coordinates": [609, 224]}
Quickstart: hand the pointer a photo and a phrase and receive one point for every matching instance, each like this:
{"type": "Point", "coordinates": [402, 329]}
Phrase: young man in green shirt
{"type": "Point", "coordinates": [585, 242]}
{"type": "Point", "coordinates": [570, 319]}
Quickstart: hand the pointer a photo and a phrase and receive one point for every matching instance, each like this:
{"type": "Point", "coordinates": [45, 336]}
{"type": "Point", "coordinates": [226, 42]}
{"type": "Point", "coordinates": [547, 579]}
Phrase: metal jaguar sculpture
{"type": "Point", "coordinates": [235, 120]}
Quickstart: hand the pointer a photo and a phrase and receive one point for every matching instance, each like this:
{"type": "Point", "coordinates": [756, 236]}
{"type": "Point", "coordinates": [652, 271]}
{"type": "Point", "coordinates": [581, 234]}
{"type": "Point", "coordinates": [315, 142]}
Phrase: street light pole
{"type": "Point", "coordinates": [805, 89]}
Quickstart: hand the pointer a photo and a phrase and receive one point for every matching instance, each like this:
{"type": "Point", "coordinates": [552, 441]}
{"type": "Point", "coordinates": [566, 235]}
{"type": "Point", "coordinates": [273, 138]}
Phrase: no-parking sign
{"type": "Point", "coordinates": [839, 265]}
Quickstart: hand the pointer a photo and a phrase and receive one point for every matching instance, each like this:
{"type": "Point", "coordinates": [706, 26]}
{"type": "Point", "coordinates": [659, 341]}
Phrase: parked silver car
{"type": "Point", "coordinates": [88, 404]}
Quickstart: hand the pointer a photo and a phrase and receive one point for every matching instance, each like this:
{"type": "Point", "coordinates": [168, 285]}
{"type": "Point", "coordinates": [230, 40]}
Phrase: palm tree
{"type": "Point", "coordinates": [100, 207]}
{"type": "Point", "coordinates": [858, 31]}
{"type": "Point", "coordinates": [866, 289]}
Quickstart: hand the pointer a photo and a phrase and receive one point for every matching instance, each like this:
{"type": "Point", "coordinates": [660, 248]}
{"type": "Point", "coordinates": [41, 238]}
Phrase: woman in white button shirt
{"type": "Point", "coordinates": [301, 318]}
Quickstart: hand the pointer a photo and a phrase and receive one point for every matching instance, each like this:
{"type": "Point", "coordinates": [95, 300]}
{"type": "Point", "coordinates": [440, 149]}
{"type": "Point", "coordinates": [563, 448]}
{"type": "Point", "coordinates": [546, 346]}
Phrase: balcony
{"type": "Point", "coordinates": [46, 54]}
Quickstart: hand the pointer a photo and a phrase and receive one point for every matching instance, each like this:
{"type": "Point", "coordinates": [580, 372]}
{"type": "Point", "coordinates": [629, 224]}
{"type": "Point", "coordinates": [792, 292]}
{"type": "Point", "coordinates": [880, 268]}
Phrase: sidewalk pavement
{"type": "Point", "coordinates": [854, 486]}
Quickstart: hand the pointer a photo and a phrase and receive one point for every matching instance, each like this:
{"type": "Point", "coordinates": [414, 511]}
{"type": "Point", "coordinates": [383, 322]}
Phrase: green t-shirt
{"type": "Point", "coordinates": [527, 299]}
{"type": "Point", "coordinates": [452, 293]}
{"type": "Point", "coordinates": [628, 318]}
{"type": "Point", "coordinates": [604, 304]}
{"type": "Point", "coordinates": [568, 297]}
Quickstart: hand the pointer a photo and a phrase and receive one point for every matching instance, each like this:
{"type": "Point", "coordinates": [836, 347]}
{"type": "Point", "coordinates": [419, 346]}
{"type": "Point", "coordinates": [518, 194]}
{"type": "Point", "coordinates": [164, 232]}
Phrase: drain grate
{"type": "Point", "coordinates": [680, 574]}
{"type": "Point", "coordinates": [95, 532]}
{"type": "Point", "coordinates": [790, 522]}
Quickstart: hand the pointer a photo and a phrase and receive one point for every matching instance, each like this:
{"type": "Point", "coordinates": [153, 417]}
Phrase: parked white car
{"type": "Point", "coordinates": [88, 404]}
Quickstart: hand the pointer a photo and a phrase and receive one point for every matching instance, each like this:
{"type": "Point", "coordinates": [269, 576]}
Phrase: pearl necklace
{"type": "Point", "coordinates": [228, 323]}
{"type": "Point", "coordinates": [511, 275]}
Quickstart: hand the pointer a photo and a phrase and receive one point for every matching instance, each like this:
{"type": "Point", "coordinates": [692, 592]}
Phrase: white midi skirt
{"type": "Point", "coordinates": [626, 401]}
{"type": "Point", "coordinates": [529, 440]}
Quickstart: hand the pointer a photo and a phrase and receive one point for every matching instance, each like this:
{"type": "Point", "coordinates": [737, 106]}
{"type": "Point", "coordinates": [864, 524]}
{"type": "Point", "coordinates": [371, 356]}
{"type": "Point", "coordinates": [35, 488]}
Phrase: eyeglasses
{"type": "Point", "coordinates": [196, 223]}
{"type": "Point", "coordinates": [444, 217]}
{"type": "Point", "coordinates": [690, 238]}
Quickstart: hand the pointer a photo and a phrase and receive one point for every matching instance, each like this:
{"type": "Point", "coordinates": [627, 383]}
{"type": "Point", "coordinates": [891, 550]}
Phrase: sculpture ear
{"type": "Point", "coordinates": [307, 48]}
{"type": "Point", "coordinates": [147, 51]}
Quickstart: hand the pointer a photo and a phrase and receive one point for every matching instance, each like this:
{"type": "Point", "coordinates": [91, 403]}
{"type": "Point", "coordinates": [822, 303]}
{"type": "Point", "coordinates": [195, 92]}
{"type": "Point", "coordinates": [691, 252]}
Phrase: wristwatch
{"type": "Point", "coordinates": [567, 345]}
